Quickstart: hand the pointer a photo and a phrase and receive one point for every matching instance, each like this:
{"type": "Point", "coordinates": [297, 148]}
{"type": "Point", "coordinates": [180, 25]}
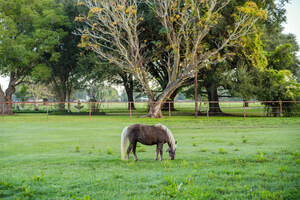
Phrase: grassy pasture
{"type": "Point", "coordinates": [71, 157]}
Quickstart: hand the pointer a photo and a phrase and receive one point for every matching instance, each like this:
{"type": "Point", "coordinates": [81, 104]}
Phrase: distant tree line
{"type": "Point", "coordinates": [157, 48]}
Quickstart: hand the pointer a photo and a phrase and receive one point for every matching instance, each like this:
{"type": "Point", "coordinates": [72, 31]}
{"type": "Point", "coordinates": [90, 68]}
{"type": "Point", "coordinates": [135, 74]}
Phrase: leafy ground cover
{"type": "Point", "coordinates": [71, 157]}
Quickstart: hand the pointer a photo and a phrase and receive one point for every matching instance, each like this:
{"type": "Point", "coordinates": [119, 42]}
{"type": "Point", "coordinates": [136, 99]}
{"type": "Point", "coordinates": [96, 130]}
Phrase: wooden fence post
{"type": "Point", "coordinates": [244, 110]}
{"type": "Point", "coordinates": [3, 112]}
{"type": "Point", "coordinates": [281, 109]}
{"type": "Point", "coordinates": [47, 111]}
{"type": "Point", "coordinates": [170, 110]}
{"type": "Point", "coordinates": [130, 109]}
{"type": "Point", "coordinates": [90, 112]}
{"type": "Point", "coordinates": [207, 110]}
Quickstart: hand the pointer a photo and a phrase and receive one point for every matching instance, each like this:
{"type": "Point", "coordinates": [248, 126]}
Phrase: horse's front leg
{"type": "Point", "coordinates": [134, 150]}
{"type": "Point", "coordinates": [160, 148]}
{"type": "Point", "coordinates": [157, 151]}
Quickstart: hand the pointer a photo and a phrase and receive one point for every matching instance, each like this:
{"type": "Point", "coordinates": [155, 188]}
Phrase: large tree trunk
{"type": "Point", "coordinates": [60, 89]}
{"type": "Point", "coordinates": [62, 98]}
{"type": "Point", "coordinates": [128, 84]}
{"type": "Point", "coordinates": [60, 92]}
{"type": "Point", "coordinates": [69, 96]}
{"type": "Point", "coordinates": [6, 96]}
{"type": "Point", "coordinates": [129, 92]}
{"type": "Point", "coordinates": [130, 100]}
{"type": "Point", "coordinates": [169, 104]}
{"type": "Point", "coordinates": [155, 110]}
{"type": "Point", "coordinates": [6, 99]}
{"type": "Point", "coordinates": [214, 107]}
{"type": "Point", "coordinates": [156, 105]}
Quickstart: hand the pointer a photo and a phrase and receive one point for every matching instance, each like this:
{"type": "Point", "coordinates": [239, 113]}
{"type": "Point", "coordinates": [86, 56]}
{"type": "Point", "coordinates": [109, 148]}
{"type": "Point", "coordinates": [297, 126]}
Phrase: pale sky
{"type": "Point", "coordinates": [293, 19]}
{"type": "Point", "coordinates": [292, 26]}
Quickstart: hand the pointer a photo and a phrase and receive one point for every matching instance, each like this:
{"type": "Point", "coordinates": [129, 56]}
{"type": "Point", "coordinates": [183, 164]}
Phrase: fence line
{"type": "Point", "coordinates": [280, 107]}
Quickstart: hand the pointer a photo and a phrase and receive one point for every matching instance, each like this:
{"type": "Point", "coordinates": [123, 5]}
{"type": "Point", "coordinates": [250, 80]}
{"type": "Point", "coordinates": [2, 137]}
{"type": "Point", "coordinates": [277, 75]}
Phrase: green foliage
{"type": "Point", "coordinates": [41, 72]}
{"type": "Point", "coordinates": [203, 149]}
{"type": "Point", "coordinates": [77, 148]}
{"type": "Point", "coordinates": [260, 157]}
{"type": "Point", "coordinates": [109, 150]}
{"type": "Point", "coordinates": [38, 178]}
{"type": "Point", "coordinates": [87, 197]}
{"type": "Point", "coordinates": [31, 30]}
{"type": "Point", "coordinates": [222, 151]}
{"type": "Point", "coordinates": [277, 85]}
{"type": "Point", "coordinates": [172, 189]}
{"type": "Point", "coordinates": [281, 58]}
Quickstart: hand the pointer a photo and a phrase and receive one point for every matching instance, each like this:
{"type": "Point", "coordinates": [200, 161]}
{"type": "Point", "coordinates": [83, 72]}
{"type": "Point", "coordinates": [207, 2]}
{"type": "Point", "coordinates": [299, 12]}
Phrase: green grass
{"type": "Point", "coordinates": [71, 157]}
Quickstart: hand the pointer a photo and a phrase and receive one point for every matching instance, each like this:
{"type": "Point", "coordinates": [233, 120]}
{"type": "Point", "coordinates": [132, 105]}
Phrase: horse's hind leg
{"type": "Point", "coordinates": [134, 150]}
{"type": "Point", "coordinates": [129, 149]}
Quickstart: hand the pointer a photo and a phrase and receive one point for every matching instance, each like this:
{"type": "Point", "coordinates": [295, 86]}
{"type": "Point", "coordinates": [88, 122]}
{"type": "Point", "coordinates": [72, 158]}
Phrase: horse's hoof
{"type": "Point", "coordinates": [137, 160]}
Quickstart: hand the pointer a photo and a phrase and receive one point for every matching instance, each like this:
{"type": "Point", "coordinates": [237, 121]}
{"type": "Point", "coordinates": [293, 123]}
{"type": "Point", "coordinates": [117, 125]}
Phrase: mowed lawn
{"type": "Point", "coordinates": [71, 157]}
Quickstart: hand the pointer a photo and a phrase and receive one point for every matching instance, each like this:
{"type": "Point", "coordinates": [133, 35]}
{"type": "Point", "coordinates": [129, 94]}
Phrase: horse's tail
{"type": "Point", "coordinates": [124, 136]}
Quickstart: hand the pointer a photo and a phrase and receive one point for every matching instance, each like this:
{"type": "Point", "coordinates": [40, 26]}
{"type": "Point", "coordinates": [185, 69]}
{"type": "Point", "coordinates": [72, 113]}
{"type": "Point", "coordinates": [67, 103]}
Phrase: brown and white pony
{"type": "Point", "coordinates": [149, 135]}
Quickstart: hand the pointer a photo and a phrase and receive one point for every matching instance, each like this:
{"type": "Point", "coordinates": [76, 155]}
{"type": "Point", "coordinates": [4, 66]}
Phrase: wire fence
{"type": "Point", "coordinates": [169, 109]}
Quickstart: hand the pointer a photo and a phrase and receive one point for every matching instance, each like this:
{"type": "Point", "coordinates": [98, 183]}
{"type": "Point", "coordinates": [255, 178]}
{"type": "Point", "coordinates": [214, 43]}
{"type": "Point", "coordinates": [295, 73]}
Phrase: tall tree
{"type": "Point", "coordinates": [28, 30]}
{"type": "Point", "coordinates": [112, 30]}
{"type": "Point", "coordinates": [66, 71]}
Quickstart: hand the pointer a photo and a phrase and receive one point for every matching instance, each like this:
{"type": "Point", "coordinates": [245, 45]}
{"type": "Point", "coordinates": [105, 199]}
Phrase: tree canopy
{"type": "Point", "coordinates": [112, 30]}
{"type": "Point", "coordinates": [29, 29]}
{"type": "Point", "coordinates": [160, 46]}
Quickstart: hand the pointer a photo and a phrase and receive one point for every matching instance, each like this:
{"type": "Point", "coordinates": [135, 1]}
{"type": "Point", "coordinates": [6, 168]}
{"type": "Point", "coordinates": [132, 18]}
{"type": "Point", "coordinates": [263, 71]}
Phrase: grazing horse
{"type": "Point", "coordinates": [148, 135]}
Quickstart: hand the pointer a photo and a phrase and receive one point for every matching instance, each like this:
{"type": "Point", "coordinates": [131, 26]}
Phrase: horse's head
{"type": "Point", "coordinates": [172, 153]}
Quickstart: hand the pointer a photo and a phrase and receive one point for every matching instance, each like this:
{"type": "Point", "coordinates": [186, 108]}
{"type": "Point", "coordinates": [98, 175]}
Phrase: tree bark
{"type": "Point", "coordinates": [129, 86]}
{"type": "Point", "coordinates": [7, 96]}
{"type": "Point", "coordinates": [166, 105]}
{"type": "Point", "coordinates": [62, 98]}
{"type": "Point", "coordinates": [156, 104]}
{"type": "Point", "coordinates": [130, 99]}
{"type": "Point", "coordinates": [69, 95]}
{"type": "Point", "coordinates": [60, 92]}
{"type": "Point", "coordinates": [246, 103]}
{"type": "Point", "coordinates": [214, 107]}
{"type": "Point", "coordinates": [155, 109]}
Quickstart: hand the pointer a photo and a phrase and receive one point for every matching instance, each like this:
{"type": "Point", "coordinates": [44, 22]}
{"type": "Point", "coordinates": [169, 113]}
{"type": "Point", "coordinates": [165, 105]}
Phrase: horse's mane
{"type": "Point", "coordinates": [170, 135]}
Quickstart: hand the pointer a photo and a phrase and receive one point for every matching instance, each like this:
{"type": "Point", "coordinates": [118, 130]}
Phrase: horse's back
{"type": "Point", "coordinates": [146, 134]}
